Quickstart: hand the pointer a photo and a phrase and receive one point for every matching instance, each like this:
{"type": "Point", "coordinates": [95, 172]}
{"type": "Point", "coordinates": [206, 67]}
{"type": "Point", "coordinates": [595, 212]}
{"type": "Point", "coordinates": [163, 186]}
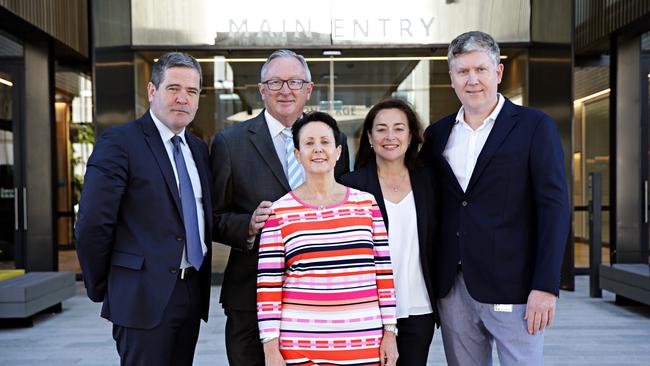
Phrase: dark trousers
{"type": "Point", "coordinates": [243, 345]}
{"type": "Point", "coordinates": [172, 342]}
{"type": "Point", "coordinates": [414, 336]}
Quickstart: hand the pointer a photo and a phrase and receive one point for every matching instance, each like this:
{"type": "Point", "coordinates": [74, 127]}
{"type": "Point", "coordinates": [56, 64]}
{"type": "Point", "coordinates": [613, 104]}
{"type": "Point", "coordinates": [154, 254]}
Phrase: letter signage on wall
{"type": "Point", "coordinates": [299, 23]}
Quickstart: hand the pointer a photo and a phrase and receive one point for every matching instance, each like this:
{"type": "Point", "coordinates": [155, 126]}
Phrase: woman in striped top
{"type": "Point", "coordinates": [325, 292]}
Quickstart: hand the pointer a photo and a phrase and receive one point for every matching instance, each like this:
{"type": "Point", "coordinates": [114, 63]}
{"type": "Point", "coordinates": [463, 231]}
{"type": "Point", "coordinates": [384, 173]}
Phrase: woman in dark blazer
{"type": "Point", "coordinates": [387, 166]}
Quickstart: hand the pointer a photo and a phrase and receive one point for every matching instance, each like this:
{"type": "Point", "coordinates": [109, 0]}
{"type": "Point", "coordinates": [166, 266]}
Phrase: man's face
{"type": "Point", "coordinates": [285, 105]}
{"type": "Point", "coordinates": [176, 99]}
{"type": "Point", "coordinates": [475, 78]}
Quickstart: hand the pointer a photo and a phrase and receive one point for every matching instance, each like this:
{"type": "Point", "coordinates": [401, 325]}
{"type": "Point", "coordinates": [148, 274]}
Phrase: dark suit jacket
{"type": "Point", "coordinates": [510, 227]}
{"type": "Point", "coordinates": [130, 233]}
{"type": "Point", "coordinates": [246, 170]}
{"type": "Point", "coordinates": [366, 179]}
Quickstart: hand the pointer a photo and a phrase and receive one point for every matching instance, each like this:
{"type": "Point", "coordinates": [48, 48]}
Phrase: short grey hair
{"type": "Point", "coordinates": [285, 53]}
{"type": "Point", "coordinates": [471, 42]}
{"type": "Point", "coordinates": [174, 59]}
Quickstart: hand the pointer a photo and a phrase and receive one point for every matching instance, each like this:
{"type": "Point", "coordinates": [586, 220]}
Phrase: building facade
{"type": "Point", "coordinates": [44, 53]}
{"type": "Point", "coordinates": [557, 57]}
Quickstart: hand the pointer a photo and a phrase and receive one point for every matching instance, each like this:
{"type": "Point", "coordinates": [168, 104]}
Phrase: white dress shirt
{"type": "Point", "coordinates": [410, 290]}
{"type": "Point", "coordinates": [166, 135]}
{"type": "Point", "coordinates": [465, 144]}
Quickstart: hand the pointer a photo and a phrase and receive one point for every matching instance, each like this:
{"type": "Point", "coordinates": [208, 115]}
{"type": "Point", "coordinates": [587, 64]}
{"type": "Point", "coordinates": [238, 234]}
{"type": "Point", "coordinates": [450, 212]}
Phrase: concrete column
{"type": "Point", "coordinates": [631, 228]}
{"type": "Point", "coordinates": [38, 106]}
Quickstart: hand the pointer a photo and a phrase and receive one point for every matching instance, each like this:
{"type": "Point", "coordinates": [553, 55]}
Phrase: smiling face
{"type": "Point", "coordinates": [285, 105]}
{"type": "Point", "coordinates": [176, 99]}
{"type": "Point", "coordinates": [390, 135]}
{"type": "Point", "coordinates": [475, 79]}
{"type": "Point", "coordinates": [318, 151]}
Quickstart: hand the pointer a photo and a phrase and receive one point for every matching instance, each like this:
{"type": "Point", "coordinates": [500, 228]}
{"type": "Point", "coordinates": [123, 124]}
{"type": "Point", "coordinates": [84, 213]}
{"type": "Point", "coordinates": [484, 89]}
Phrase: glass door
{"type": "Point", "coordinates": [11, 206]}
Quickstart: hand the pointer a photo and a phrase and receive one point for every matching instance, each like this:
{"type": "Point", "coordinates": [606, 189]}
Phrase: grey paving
{"type": "Point", "coordinates": [586, 332]}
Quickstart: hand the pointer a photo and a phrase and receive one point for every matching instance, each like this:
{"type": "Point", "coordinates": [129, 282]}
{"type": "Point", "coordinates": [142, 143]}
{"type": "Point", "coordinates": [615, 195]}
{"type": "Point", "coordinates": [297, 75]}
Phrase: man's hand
{"type": "Point", "coordinates": [388, 350]}
{"type": "Point", "coordinates": [540, 310]}
{"type": "Point", "coordinates": [259, 217]}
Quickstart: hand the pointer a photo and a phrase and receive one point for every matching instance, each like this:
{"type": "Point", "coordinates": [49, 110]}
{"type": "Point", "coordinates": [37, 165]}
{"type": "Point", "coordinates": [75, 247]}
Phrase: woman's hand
{"type": "Point", "coordinates": [388, 350]}
{"type": "Point", "coordinates": [272, 355]}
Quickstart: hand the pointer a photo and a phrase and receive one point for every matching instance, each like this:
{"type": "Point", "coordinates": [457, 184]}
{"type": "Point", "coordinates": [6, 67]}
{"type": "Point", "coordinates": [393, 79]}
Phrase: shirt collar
{"type": "Point", "coordinates": [165, 133]}
{"type": "Point", "coordinates": [460, 116]}
{"type": "Point", "coordinates": [275, 127]}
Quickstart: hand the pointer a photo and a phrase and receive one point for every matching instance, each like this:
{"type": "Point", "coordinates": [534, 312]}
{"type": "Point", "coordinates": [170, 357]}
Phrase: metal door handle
{"type": "Point", "coordinates": [645, 201]}
{"type": "Point", "coordinates": [16, 208]}
{"type": "Point", "coordinates": [25, 208]}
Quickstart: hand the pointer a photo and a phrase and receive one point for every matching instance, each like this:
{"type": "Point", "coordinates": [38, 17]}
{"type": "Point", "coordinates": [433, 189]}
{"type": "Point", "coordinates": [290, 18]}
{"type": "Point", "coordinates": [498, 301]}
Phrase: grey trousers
{"type": "Point", "coordinates": [469, 329]}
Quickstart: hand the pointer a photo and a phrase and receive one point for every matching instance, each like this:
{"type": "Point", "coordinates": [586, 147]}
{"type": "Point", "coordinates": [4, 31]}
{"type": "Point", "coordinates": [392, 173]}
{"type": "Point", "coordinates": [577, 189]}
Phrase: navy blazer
{"type": "Point", "coordinates": [366, 179]}
{"type": "Point", "coordinates": [510, 227]}
{"type": "Point", "coordinates": [130, 232]}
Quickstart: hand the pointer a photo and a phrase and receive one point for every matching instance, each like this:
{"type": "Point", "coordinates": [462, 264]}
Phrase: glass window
{"type": "Point", "coordinates": [74, 138]}
{"type": "Point", "coordinates": [591, 154]}
{"type": "Point", "coordinates": [8, 190]}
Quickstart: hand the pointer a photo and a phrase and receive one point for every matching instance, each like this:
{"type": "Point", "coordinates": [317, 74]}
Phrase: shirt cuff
{"type": "Point", "coordinates": [251, 242]}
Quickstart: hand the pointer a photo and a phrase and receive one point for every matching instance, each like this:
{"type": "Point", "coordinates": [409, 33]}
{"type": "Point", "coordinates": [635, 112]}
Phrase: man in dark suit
{"type": "Point", "coordinates": [143, 233]}
{"type": "Point", "coordinates": [504, 214]}
{"type": "Point", "coordinates": [251, 167]}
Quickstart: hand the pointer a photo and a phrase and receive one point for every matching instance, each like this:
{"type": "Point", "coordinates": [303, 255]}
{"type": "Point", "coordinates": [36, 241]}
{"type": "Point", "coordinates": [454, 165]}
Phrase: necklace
{"type": "Point", "coordinates": [332, 197]}
{"type": "Point", "coordinates": [394, 186]}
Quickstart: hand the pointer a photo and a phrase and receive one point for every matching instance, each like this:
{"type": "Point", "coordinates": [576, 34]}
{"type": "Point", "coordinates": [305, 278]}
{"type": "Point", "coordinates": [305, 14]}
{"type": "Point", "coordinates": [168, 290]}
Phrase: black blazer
{"type": "Point", "coordinates": [366, 179]}
{"type": "Point", "coordinates": [246, 170]}
{"type": "Point", "coordinates": [130, 232]}
{"type": "Point", "coordinates": [510, 227]}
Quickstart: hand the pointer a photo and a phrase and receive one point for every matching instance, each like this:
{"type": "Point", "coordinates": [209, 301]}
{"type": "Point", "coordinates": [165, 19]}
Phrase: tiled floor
{"type": "Point", "coordinates": [586, 332]}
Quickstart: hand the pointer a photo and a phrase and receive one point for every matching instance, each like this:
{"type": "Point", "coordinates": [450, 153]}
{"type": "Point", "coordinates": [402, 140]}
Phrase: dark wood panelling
{"type": "Point", "coordinates": [65, 20]}
{"type": "Point", "coordinates": [595, 20]}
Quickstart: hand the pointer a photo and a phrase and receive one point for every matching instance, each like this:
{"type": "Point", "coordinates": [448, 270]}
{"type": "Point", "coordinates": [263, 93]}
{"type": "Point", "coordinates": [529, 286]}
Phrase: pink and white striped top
{"type": "Point", "coordinates": [324, 280]}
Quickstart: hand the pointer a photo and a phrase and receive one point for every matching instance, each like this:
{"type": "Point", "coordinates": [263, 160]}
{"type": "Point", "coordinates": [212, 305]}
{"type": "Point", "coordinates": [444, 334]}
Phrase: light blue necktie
{"type": "Point", "coordinates": [294, 170]}
{"type": "Point", "coordinates": [188, 203]}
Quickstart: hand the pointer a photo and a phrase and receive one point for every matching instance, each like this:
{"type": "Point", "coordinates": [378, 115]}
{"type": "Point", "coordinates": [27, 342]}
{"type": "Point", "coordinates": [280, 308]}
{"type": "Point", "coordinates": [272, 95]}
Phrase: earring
{"type": "Point", "coordinates": [371, 147]}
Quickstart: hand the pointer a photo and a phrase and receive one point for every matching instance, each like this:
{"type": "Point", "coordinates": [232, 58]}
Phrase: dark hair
{"type": "Point", "coordinates": [284, 53]}
{"type": "Point", "coordinates": [315, 117]}
{"type": "Point", "coordinates": [174, 59]}
{"type": "Point", "coordinates": [471, 42]}
{"type": "Point", "coordinates": [366, 154]}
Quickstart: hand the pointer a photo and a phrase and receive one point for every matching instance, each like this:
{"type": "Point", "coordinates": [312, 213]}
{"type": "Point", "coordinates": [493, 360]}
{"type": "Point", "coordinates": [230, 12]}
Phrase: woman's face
{"type": "Point", "coordinates": [390, 135]}
{"type": "Point", "coordinates": [318, 152]}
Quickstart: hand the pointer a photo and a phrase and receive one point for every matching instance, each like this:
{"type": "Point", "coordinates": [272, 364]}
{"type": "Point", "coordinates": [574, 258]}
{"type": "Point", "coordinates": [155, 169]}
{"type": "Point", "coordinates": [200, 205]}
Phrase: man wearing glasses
{"type": "Point", "coordinates": [253, 165]}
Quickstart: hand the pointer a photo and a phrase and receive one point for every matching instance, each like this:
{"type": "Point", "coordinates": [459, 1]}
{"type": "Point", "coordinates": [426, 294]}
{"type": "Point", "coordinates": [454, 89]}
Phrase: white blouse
{"type": "Point", "coordinates": [410, 289]}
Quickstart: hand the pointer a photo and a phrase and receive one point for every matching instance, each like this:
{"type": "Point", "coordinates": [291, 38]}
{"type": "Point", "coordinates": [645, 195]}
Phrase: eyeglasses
{"type": "Point", "coordinates": [276, 84]}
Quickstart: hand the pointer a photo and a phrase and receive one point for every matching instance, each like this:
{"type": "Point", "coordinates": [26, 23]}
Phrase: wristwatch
{"type": "Point", "coordinates": [391, 328]}
{"type": "Point", "coordinates": [268, 339]}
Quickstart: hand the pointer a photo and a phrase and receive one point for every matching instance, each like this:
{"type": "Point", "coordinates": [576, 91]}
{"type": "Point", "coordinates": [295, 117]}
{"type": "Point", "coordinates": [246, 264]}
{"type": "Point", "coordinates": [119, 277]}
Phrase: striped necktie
{"type": "Point", "coordinates": [294, 170]}
{"type": "Point", "coordinates": [194, 250]}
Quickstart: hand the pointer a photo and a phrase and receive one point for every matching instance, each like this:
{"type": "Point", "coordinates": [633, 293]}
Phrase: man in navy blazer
{"type": "Point", "coordinates": [143, 230]}
{"type": "Point", "coordinates": [504, 214]}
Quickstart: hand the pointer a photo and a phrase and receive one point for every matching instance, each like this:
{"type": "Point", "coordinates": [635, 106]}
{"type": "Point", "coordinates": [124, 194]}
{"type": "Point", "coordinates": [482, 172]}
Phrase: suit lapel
{"type": "Point", "coordinates": [441, 143]}
{"type": "Point", "coordinates": [372, 182]}
{"type": "Point", "coordinates": [152, 137]}
{"type": "Point", "coordinates": [261, 138]}
{"type": "Point", "coordinates": [505, 121]}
